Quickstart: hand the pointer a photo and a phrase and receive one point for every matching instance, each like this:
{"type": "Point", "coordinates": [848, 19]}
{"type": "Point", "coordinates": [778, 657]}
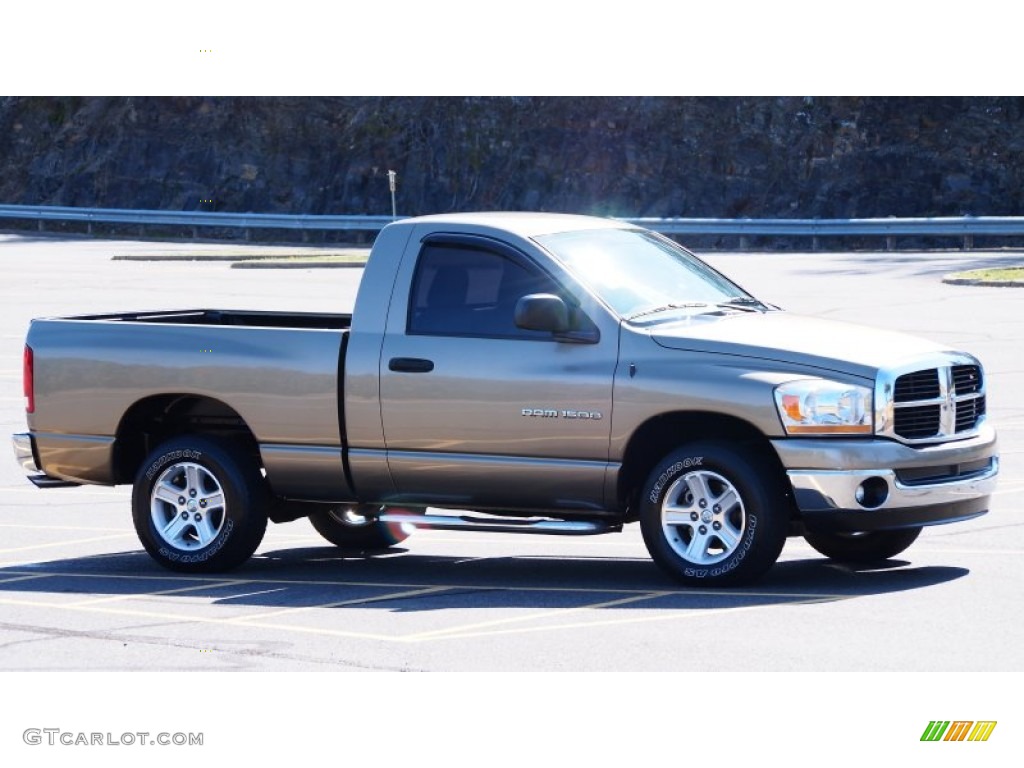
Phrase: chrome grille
{"type": "Point", "coordinates": [918, 422]}
{"type": "Point", "coordinates": [938, 403]}
{"type": "Point", "coordinates": [919, 385]}
{"type": "Point", "coordinates": [966, 379]}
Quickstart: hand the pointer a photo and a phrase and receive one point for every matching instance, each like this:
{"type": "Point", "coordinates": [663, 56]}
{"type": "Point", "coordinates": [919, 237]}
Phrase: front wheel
{"type": "Point", "coordinates": [354, 527]}
{"type": "Point", "coordinates": [868, 547]}
{"type": "Point", "coordinates": [711, 515]}
{"type": "Point", "coordinates": [199, 505]}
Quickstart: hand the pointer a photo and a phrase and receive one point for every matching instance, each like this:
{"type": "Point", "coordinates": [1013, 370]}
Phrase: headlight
{"type": "Point", "coordinates": [821, 407]}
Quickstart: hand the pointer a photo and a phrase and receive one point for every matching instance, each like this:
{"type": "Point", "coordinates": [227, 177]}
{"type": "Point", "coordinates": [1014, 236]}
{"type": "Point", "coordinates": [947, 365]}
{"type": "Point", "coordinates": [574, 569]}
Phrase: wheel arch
{"type": "Point", "coordinates": [157, 418]}
{"type": "Point", "coordinates": [658, 436]}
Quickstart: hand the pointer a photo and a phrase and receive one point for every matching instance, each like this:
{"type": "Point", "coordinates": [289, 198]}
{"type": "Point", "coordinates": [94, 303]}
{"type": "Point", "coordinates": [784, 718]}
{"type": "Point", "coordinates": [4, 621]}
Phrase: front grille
{"type": "Point", "coordinates": [920, 385]}
{"type": "Point", "coordinates": [918, 422]}
{"type": "Point", "coordinates": [938, 403]}
{"type": "Point", "coordinates": [966, 379]}
{"type": "Point", "coordinates": [968, 412]}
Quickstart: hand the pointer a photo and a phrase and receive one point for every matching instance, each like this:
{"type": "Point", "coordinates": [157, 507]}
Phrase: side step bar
{"type": "Point", "coordinates": [45, 481]}
{"type": "Point", "coordinates": [500, 524]}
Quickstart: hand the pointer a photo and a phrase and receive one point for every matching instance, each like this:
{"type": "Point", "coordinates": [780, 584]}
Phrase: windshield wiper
{"type": "Point", "coordinates": [666, 307]}
{"type": "Point", "coordinates": [743, 302]}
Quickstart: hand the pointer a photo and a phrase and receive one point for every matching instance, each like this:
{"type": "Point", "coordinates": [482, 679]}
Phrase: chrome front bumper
{"type": "Point", "coordinates": [821, 491]}
{"type": "Point", "coordinates": [848, 485]}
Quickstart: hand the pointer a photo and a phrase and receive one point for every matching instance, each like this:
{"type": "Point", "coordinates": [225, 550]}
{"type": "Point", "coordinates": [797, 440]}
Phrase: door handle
{"type": "Point", "coordinates": [410, 365]}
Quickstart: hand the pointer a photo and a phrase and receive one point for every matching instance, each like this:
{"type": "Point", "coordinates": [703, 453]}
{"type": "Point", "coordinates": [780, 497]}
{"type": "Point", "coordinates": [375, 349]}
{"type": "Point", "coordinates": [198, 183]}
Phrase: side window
{"type": "Point", "coordinates": [462, 290]}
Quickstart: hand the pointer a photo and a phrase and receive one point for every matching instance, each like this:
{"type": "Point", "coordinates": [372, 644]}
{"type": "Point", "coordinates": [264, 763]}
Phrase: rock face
{"type": "Point", "coordinates": [695, 157]}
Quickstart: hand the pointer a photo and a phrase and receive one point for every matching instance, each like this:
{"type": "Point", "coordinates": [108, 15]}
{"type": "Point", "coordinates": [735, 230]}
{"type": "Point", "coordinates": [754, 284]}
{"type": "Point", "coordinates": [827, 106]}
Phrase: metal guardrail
{"type": "Point", "coordinates": [966, 227]}
{"type": "Point", "coordinates": [43, 213]}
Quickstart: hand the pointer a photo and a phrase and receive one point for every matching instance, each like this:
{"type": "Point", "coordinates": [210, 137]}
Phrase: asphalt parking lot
{"type": "Point", "coordinates": [78, 593]}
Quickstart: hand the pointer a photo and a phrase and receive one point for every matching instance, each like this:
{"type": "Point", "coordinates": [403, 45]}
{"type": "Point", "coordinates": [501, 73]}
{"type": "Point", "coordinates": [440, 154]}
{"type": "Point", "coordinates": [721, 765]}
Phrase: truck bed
{"type": "Point", "coordinates": [276, 373]}
{"type": "Point", "coordinates": [233, 317]}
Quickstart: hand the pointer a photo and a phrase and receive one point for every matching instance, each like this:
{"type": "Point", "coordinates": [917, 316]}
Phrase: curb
{"type": "Point", "coordinates": [267, 264]}
{"type": "Point", "coordinates": [983, 283]}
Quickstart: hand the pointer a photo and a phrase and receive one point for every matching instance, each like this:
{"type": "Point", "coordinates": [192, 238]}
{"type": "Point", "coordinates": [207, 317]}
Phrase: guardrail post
{"type": "Point", "coordinates": [890, 243]}
{"type": "Point", "coordinates": [968, 242]}
{"type": "Point", "coordinates": [744, 242]}
{"type": "Point", "coordinates": [814, 243]}
{"type": "Point", "coordinates": [39, 225]}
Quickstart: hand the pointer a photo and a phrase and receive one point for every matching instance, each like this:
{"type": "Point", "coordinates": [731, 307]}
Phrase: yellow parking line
{"type": "Point", "coordinates": [179, 590]}
{"type": "Point", "coordinates": [63, 543]}
{"type": "Point", "coordinates": [674, 616]}
{"type": "Point", "coordinates": [58, 527]}
{"type": "Point", "coordinates": [167, 616]}
{"type": "Point", "coordinates": [454, 586]}
{"type": "Point", "coordinates": [419, 636]}
{"type": "Point", "coordinates": [342, 603]}
{"type": "Point", "coordinates": [455, 633]}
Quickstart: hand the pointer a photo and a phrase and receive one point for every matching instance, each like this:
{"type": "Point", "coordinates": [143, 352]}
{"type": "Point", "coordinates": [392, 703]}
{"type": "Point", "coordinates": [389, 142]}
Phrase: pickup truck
{"type": "Point", "coordinates": [516, 372]}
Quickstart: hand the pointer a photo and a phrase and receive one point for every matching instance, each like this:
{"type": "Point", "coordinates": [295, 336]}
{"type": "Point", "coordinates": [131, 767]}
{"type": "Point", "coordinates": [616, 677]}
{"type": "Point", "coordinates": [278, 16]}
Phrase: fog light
{"type": "Point", "coordinates": [872, 493]}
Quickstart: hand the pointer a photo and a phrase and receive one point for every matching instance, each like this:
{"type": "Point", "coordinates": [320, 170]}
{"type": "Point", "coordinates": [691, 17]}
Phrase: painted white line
{"type": "Point", "coordinates": [342, 603]}
{"type": "Point", "coordinates": [674, 616]}
{"type": "Point", "coordinates": [63, 543]}
{"type": "Point", "coordinates": [532, 617]}
{"type": "Point", "coordinates": [158, 593]}
{"type": "Point", "coordinates": [24, 578]}
{"type": "Point", "coordinates": [58, 527]}
{"type": "Point", "coordinates": [682, 592]}
{"type": "Point", "coordinates": [190, 618]}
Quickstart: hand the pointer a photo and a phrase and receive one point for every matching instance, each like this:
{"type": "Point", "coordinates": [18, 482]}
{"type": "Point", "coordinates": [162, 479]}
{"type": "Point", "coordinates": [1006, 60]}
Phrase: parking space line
{"type": "Point", "coordinates": [455, 633]}
{"type": "Point", "coordinates": [33, 526]}
{"type": "Point", "coordinates": [419, 636]}
{"type": "Point", "coordinates": [131, 596]}
{"type": "Point", "coordinates": [24, 578]}
{"type": "Point", "coordinates": [693, 614]}
{"type": "Point", "coordinates": [342, 603]}
{"type": "Point", "coordinates": [453, 586]}
{"type": "Point", "coordinates": [63, 543]}
{"type": "Point", "coordinates": [191, 618]}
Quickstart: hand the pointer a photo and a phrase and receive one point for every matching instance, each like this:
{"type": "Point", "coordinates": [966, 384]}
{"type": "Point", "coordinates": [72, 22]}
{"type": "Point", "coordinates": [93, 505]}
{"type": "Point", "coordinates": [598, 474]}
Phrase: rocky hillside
{"type": "Point", "coordinates": [715, 157]}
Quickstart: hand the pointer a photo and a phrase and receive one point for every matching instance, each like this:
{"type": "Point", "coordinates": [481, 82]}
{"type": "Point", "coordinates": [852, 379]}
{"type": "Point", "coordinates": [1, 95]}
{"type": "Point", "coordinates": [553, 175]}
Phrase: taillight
{"type": "Point", "coordinates": [30, 389]}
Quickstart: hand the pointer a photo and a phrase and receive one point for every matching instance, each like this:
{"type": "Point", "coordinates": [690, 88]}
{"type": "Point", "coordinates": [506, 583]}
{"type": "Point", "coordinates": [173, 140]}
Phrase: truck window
{"type": "Point", "coordinates": [461, 290]}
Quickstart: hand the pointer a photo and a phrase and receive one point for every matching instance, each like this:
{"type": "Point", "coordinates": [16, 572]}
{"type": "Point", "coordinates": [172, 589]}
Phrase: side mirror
{"type": "Point", "coordinates": [542, 312]}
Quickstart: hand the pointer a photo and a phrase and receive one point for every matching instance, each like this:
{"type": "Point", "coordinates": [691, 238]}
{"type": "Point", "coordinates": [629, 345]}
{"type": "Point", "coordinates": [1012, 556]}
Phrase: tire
{"type": "Point", "coordinates": [712, 515]}
{"type": "Point", "coordinates": [867, 547]}
{"type": "Point", "coordinates": [353, 527]}
{"type": "Point", "coordinates": [199, 505]}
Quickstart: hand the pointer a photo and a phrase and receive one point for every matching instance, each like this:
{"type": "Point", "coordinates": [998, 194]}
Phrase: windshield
{"type": "Point", "coordinates": [640, 274]}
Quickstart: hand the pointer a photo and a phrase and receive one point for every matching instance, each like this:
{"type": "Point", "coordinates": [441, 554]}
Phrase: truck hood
{"type": "Point", "coordinates": [795, 339]}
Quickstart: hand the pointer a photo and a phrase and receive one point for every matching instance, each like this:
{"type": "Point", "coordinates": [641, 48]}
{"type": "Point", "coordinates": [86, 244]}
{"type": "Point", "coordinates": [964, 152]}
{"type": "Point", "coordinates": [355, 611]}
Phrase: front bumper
{"type": "Point", "coordinates": [872, 485]}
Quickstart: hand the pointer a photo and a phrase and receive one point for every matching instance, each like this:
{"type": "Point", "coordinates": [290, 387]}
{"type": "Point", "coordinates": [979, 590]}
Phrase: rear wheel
{"type": "Point", "coordinates": [199, 505]}
{"type": "Point", "coordinates": [354, 526]}
{"type": "Point", "coordinates": [711, 515]}
{"type": "Point", "coordinates": [866, 547]}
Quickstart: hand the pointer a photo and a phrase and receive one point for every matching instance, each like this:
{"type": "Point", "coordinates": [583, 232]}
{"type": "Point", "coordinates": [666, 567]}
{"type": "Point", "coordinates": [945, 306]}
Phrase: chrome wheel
{"type": "Point", "coordinates": [187, 506]}
{"type": "Point", "coordinates": [703, 518]}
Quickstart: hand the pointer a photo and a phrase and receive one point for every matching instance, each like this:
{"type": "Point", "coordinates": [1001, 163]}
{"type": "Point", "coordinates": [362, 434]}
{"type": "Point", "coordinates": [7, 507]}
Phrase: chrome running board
{"type": "Point", "coordinates": [500, 524]}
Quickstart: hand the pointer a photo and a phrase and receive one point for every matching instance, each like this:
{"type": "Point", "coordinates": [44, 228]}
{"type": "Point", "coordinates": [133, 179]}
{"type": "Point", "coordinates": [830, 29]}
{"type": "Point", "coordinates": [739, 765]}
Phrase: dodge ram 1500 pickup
{"type": "Point", "coordinates": [516, 372]}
